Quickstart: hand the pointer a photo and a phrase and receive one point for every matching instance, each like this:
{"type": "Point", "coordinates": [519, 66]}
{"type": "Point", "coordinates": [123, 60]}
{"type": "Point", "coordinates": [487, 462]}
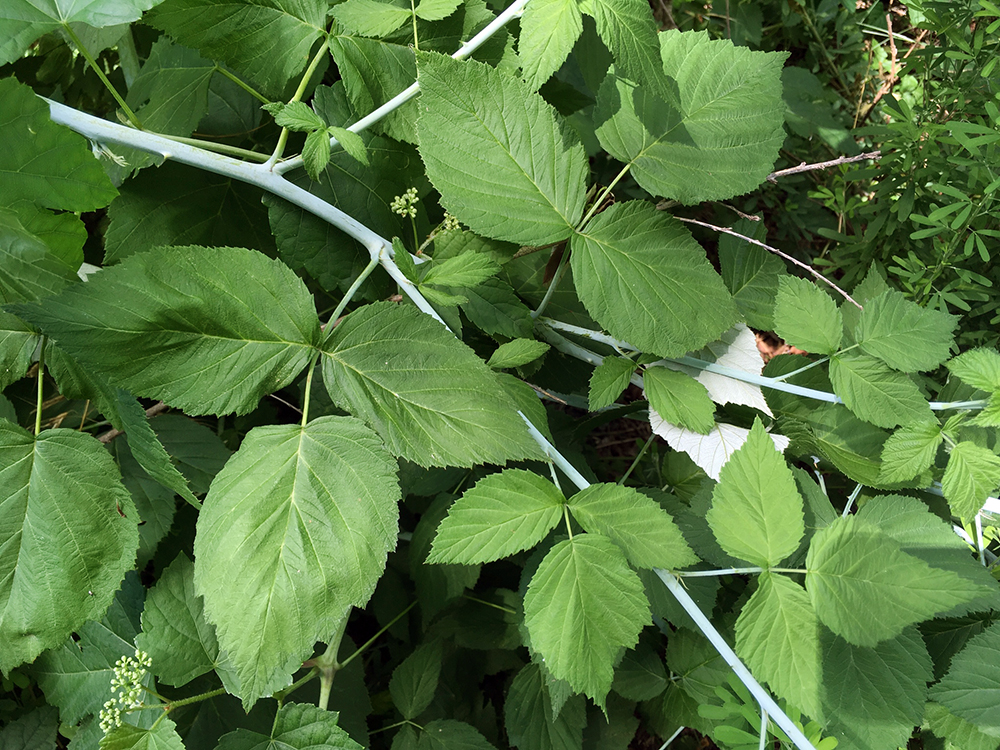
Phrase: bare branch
{"type": "Point", "coordinates": [152, 411]}
{"type": "Point", "coordinates": [803, 167]}
{"type": "Point", "coordinates": [778, 252]}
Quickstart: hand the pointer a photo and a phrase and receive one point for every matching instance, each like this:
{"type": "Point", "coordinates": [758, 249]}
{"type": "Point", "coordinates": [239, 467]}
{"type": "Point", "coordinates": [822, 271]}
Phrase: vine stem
{"type": "Point", "coordinates": [328, 664]}
{"type": "Point", "coordinates": [303, 83]}
{"type": "Point", "coordinates": [308, 390]}
{"type": "Point", "coordinates": [40, 398]}
{"type": "Point", "coordinates": [100, 74]}
{"type": "Point", "coordinates": [348, 296]}
{"type": "Point", "coordinates": [778, 252]}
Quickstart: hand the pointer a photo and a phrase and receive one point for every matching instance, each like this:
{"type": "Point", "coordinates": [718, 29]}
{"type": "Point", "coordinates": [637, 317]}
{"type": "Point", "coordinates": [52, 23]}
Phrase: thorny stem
{"type": "Point", "coordinates": [778, 252]}
{"type": "Point", "coordinates": [100, 74]}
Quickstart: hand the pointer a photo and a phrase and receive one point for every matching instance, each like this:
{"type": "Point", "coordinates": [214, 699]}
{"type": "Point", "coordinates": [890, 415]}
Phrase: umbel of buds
{"type": "Point", "coordinates": [406, 204]}
{"type": "Point", "coordinates": [126, 685]}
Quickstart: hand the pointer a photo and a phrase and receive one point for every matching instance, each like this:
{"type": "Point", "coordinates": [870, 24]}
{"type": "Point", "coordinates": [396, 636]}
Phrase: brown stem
{"type": "Point", "coordinates": [803, 167]}
{"type": "Point", "coordinates": [152, 411]}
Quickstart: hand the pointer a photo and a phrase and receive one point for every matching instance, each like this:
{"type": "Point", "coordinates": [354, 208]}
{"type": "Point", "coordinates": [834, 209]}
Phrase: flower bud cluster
{"type": "Point", "coordinates": [451, 223]}
{"type": "Point", "coordinates": [405, 204]}
{"type": "Point", "coordinates": [126, 683]}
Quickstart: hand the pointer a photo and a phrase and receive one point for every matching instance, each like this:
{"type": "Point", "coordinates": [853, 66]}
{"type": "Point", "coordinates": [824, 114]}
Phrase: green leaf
{"type": "Point", "coordinates": [447, 734]}
{"type": "Point", "coordinates": [719, 134]}
{"type": "Point", "coordinates": [302, 520]}
{"type": "Point", "coordinates": [640, 675]}
{"type": "Point", "coordinates": [529, 721]}
{"type": "Point", "coordinates": [679, 399]}
{"type": "Point", "coordinates": [17, 346]}
{"type": "Point", "coordinates": [904, 335]}
{"type": "Point", "coordinates": [970, 689]}
{"type": "Point", "coordinates": [502, 161]}
{"type": "Point", "coordinates": [516, 353]}
{"type": "Point", "coordinates": [370, 17]}
{"type": "Point", "coordinates": [751, 274]}
{"type": "Point", "coordinates": [910, 451]}
{"type": "Point", "coordinates": [436, 10]}
{"type": "Point", "coordinates": [316, 153]}
{"type": "Point", "coordinates": [466, 270]}
{"type": "Point", "coordinates": [437, 585]}
{"type": "Point", "coordinates": [643, 277]}
{"type": "Point", "coordinates": [35, 730]}
{"type": "Point", "coordinates": [66, 546]}
{"type": "Point", "coordinates": [959, 732]}
{"type": "Point", "coordinates": [176, 205]}
{"type": "Point", "coordinates": [756, 511]}
{"type": "Point", "coordinates": [805, 316]}
{"type": "Point", "coordinates": [583, 604]}
{"type": "Point", "coordinates": [296, 115]}
{"type": "Point", "coordinates": [24, 21]}
{"type": "Point", "coordinates": [415, 680]}
{"type": "Point", "coordinates": [175, 633]}
{"type": "Point", "coordinates": [298, 726]}
{"type": "Point", "coordinates": [866, 589]}
{"type": "Point", "coordinates": [980, 368]}
{"type": "Point", "coordinates": [352, 143]}
{"type": "Point", "coordinates": [268, 41]}
{"type": "Point", "coordinates": [163, 736]}
{"type": "Point", "coordinates": [170, 94]}
{"type": "Point", "coordinates": [41, 162]}
{"type": "Point", "coordinates": [503, 514]}
{"type": "Point", "coordinates": [549, 29]}
{"type": "Point", "coordinates": [429, 396]}
{"type": "Point", "coordinates": [207, 330]}
{"type": "Point", "coordinates": [628, 29]}
{"type": "Point", "coordinates": [875, 393]}
{"type": "Point", "coordinates": [973, 472]}
{"type": "Point", "coordinates": [608, 380]}
{"type": "Point", "coordinates": [873, 697]}
{"type": "Point", "coordinates": [28, 271]}
{"type": "Point", "coordinates": [777, 635]}
{"type": "Point", "coordinates": [645, 532]}
{"type": "Point", "coordinates": [494, 308]}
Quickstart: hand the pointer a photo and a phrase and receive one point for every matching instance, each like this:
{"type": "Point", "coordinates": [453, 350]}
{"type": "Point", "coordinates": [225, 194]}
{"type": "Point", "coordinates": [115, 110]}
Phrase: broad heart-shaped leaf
{"type": "Point", "coordinates": [805, 316]}
{"type": "Point", "coordinates": [163, 736]}
{"type": "Point", "coordinates": [209, 330]}
{"type": "Point", "coordinates": [717, 136]}
{"type": "Point", "coordinates": [298, 726]}
{"type": "Point", "coordinates": [709, 451]}
{"type": "Point", "coordinates": [875, 393]}
{"type": "Point", "coordinates": [583, 604]}
{"type": "Point", "coordinates": [41, 162]}
{"type": "Point", "coordinates": [777, 635]}
{"type": "Point", "coordinates": [301, 519]}
{"type": "Point", "coordinates": [980, 368]}
{"type": "Point", "coordinates": [269, 41]}
{"type": "Point", "coordinates": [873, 697]}
{"type": "Point", "coordinates": [642, 276]}
{"type": "Point", "coordinates": [866, 589]}
{"type": "Point", "coordinates": [415, 680]}
{"type": "Point", "coordinates": [756, 511]}
{"type": "Point", "coordinates": [973, 472]}
{"type": "Point", "coordinates": [904, 335]}
{"type": "Point", "coordinates": [528, 718]}
{"type": "Point", "coordinates": [497, 152]}
{"type": "Point", "coordinates": [549, 30]}
{"type": "Point", "coordinates": [608, 380]}
{"type": "Point", "coordinates": [645, 532]}
{"type": "Point", "coordinates": [971, 688]}
{"type": "Point", "coordinates": [64, 546]}
{"type": "Point", "coordinates": [679, 399]}
{"type": "Point", "coordinates": [503, 514]}
{"type": "Point", "coordinates": [24, 21]}
{"type": "Point", "coordinates": [175, 634]}
{"type": "Point", "coordinates": [431, 399]}
{"type": "Point", "coordinates": [910, 450]}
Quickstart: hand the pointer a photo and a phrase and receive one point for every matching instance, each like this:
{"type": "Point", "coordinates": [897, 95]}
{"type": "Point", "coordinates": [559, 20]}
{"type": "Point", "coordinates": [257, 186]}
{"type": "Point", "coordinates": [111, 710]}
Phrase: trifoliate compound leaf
{"type": "Point", "coordinates": [529, 721]}
{"type": "Point", "coordinates": [806, 317]}
{"type": "Point", "coordinates": [69, 534]}
{"type": "Point", "coordinates": [298, 726]}
{"type": "Point", "coordinates": [24, 21]}
{"type": "Point", "coordinates": [429, 396]}
{"type": "Point", "coordinates": [980, 368]}
{"type": "Point", "coordinates": [549, 30]}
{"type": "Point", "coordinates": [642, 276]}
{"type": "Point", "coordinates": [209, 330]}
{"type": "Point", "coordinates": [973, 472]}
{"type": "Point", "coordinates": [777, 635]}
{"type": "Point", "coordinates": [709, 451]}
{"type": "Point", "coordinates": [875, 393]}
{"type": "Point", "coordinates": [516, 353]}
{"type": "Point", "coordinates": [583, 604]}
{"type": "Point", "coordinates": [370, 17]}
{"type": "Point", "coordinates": [910, 451]}
{"type": "Point", "coordinates": [971, 688]}
{"type": "Point", "coordinates": [269, 41]}
{"type": "Point", "coordinates": [866, 589]}
{"type": "Point", "coordinates": [756, 511]}
{"type": "Point", "coordinates": [679, 399]}
{"type": "Point", "coordinates": [495, 150]}
{"type": "Point", "coordinates": [503, 514]}
{"type": "Point", "coordinates": [415, 680]}
{"type": "Point", "coordinates": [44, 163]}
{"type": "Point", "coordinates": [608, 380]}
{"type": "Point", "coordinates": [904, 335]}
{"type": "Point", "coordinates": [301, 519]}
{"type": "Point", "coordinates": [645, 532]}
{"type": "Point", "coordinates": [680, 148]}
{"type": "Point", "coordinates": [162, 736]}
{"type": "Point", "coordinates": [751, 274]}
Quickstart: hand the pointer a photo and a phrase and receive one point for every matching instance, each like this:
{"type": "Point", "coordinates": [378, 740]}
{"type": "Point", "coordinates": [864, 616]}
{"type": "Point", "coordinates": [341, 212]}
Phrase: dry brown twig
{"type": "Point", "coordinates": [152, 411]}
{"type": "Point", "coordinates": [803, 167]}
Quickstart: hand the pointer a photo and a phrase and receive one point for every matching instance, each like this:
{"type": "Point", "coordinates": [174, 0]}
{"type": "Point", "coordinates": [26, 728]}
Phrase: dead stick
{"type": "Point", "coordinates": [803, 167]}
